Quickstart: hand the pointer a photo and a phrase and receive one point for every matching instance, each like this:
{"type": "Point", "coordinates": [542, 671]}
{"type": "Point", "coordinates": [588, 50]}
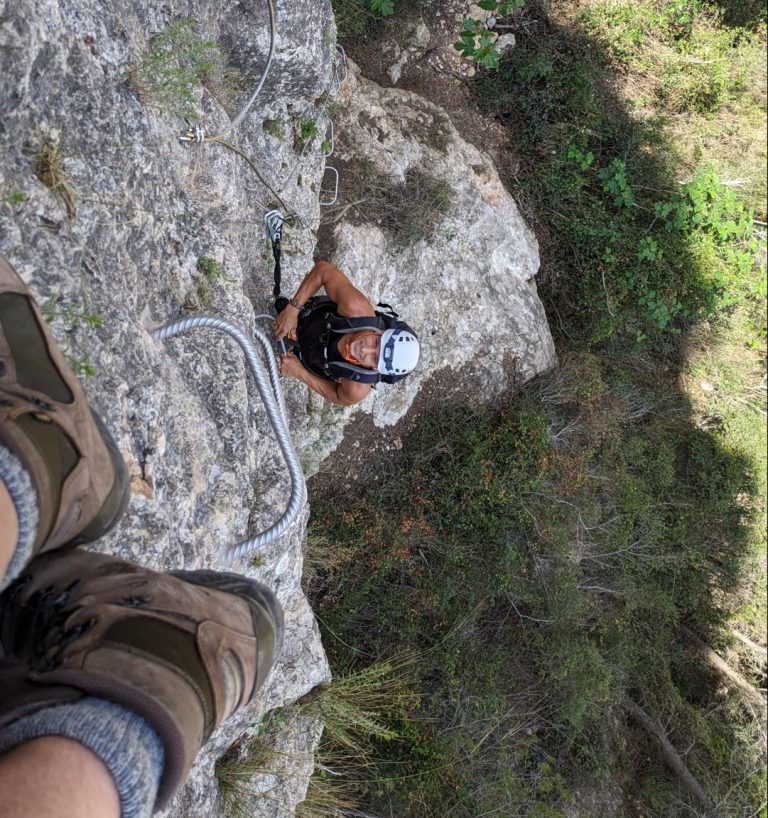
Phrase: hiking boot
{"type": "Point", "coordinates": [183, 650]}
{"type": "Point", "coordinates": [75, 466]}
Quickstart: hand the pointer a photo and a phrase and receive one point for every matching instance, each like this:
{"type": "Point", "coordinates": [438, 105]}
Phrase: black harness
{"type": "Point", "coordinates": [319, 330]}
{"type": "Point", "coordinates": [320, 327]}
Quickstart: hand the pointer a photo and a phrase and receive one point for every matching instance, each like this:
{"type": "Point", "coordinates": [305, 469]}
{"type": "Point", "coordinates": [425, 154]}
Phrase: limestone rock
{"type": "Point", "coordinates": [415, 40]}
{"type": "Point", "coordinates": [114, 251]}
{"type": "Point", "coordinates": [505, 43]}
{"type": "Point", "coordinates": [469, 290]}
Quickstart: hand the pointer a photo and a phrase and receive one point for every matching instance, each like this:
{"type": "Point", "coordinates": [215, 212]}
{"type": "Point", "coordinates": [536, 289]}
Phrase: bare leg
{"type": "Point", "coordinates": [9, 529]}
{"type": "Point", "coordinates": [55, 777]}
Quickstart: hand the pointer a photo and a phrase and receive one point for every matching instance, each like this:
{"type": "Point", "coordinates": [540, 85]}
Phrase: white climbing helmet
{"type": "Point", "coordinates": [399, 352]}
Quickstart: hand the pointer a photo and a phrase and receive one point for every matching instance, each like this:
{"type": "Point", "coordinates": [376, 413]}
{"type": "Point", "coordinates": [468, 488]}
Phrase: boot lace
{"type": "Point", "coordinates": [34, 628]}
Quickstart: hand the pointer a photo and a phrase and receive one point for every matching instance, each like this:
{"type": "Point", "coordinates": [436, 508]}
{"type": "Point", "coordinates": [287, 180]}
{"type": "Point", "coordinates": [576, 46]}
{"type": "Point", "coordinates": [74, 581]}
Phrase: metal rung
{"type": "Point", "coordinates": [335, 190]}
{"type": "Point", "coordinates": [340, 80]}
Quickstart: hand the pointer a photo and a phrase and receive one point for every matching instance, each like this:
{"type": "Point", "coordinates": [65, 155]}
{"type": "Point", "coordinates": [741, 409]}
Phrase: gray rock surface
{"type": "Point", "coordinates": [205, 469]}
{"type": "Point", "coordinates": [111, 244]}
{"type": "Point", "coordinates": [468, 290]}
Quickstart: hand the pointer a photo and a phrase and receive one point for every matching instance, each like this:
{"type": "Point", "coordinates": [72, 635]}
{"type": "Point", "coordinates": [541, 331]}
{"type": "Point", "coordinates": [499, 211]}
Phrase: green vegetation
{"type": "Point", "coordinates": [478, 43]}
{"type": "Point", "coordinates": [306, 132]}
{"type": "Point", "coordinates": [73, 317]}
{"type": "Point", "coordinates": [353, 708]}
{"type": "Point", "coordinates": [554, 553]}
{"type": "Point", "coordinates": [656, 241]}
{"type": "Point", "coordinates": [355, 711]}
{"type": "Point", "coordinates": [541, 568]}
{"type": "Point", "coordinates": [12, 197]}
{"type": "Point", "coordinates": [383, 7]}
{"type": "Point", "coordinates": [408, 211]}
{"type": "Point", "coordinates": [210, 269]}
{"type": "Point", "coordinates": [273, 128]}
{"type": "Point", "coordinates": [248, 757]}
{"type": "Point", "coordinates": [210, 273]}
{"type": "Point", "coordinates": [368, 21]}
{"type": "Point", "coordinates": [176, 63]}
{"type": "Point", "coordinates": [48, 163]}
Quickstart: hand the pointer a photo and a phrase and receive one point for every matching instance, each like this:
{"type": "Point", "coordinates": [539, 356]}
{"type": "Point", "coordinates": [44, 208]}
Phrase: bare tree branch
{"type": "Point", "coordinates": [672, 757]}
{"type": "Point", "coordinates": [753, 696]}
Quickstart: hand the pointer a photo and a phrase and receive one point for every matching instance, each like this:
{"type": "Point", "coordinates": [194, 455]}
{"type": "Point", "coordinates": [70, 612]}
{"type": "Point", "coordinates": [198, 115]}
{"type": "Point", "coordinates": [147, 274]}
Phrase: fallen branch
{"type": "Point", "coordinates": [745, 640]}
{"type": "Point", "coordinates": [672, 757]}
{"type": "Point", "coordinates": [753, 696]}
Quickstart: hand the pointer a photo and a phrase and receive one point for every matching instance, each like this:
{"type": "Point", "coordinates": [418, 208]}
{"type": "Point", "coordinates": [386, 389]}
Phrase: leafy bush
{"type": "Point", "coordinates": [538, 572]}
{"type": "Point", "coordinates": [478, 43]}
{"type": "Point", "coordinates": [626, 260]}
{"type": "Point", "coordinates": [551, 548]}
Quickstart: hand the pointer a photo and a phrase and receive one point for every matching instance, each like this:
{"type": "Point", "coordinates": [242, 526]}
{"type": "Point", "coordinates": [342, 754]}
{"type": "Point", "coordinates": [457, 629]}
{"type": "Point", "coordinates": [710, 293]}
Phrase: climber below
{"type": "Point", "coordinates": [342, 346]}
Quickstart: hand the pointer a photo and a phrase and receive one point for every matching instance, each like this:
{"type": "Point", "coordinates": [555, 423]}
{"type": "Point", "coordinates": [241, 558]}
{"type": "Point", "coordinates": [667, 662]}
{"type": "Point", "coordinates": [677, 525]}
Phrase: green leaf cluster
{"type": "Point", "coordinates": [475, 40]}
{"type": "Point", "coordinates": [384, 7]}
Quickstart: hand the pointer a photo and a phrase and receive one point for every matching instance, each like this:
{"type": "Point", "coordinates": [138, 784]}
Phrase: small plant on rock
{"type": "Point", "coordinates": [73, 317]}
{"type": "Point", "coordinates": [12, 197]}
{"type": "Point", "coordinates": [49, 168]}
{"type": "Point", "coordinates": [476, 41]}
{"type": "Point", "coordinates": [210, 273]}
{"type": "Point", "coordinates": [177, 61]}
{"type": "Point", "coordinates": [306, 133]}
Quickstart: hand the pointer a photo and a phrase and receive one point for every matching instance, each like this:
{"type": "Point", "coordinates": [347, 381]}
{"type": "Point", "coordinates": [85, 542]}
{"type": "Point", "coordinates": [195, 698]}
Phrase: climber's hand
{"type": "Point", "coordinates": [286, 323]}
{"type": "Point", "coordinates": [290, 366]}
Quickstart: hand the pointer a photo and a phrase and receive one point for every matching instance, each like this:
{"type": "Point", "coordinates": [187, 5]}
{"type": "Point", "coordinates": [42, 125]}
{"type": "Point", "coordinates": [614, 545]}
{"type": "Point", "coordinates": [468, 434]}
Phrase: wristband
{"type": "Point", "coordinates": [294, 303]}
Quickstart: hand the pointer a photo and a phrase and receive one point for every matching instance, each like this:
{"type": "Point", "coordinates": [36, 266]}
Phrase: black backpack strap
{"type": "Point", "coordinates": [358, 374]}
{"type": "Point", "coordinates": [343, 325]}
{"type": "Point", "coordinates": [387, 309]}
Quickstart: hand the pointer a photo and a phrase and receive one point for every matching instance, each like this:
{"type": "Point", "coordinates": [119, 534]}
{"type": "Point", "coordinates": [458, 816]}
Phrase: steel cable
{"type": "Point", "coordinates": [272, 36]}
{"type": "Point", "coordinates": [272, 397]}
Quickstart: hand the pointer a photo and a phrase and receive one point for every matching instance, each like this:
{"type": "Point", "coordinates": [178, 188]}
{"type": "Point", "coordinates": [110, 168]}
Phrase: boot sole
{"type": "Point", "coordinates": [117, 500]}
{"type": "Point", "coordinates": [262, 602]}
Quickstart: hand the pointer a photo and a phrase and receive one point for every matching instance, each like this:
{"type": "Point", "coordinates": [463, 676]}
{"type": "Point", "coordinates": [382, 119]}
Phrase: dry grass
{"type": "Point", "coordinates": [49, 168]}
{"type": "Point", "coordinates": [407, 211]}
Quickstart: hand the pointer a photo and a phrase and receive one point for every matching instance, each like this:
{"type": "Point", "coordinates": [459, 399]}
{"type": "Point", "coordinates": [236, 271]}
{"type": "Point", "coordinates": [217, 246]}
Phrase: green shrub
{"type": "Point", "coordinates": [626, 261]}
{"type": "Point", "coordinates": [552, 548]}
{"type": "Point", "coordinates": [478, 43]}
{"type": "Point", "coordinates": [177, 61]}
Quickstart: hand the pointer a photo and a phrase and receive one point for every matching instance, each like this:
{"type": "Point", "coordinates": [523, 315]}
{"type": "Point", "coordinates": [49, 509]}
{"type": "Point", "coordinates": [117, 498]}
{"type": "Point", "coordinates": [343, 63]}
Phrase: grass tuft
{"type": "Point", "coordinates": [177, 62]}
{"type": "Point", "coordinates": [409, 211]}
{"type": "Point", "coordinates": [49, 168]}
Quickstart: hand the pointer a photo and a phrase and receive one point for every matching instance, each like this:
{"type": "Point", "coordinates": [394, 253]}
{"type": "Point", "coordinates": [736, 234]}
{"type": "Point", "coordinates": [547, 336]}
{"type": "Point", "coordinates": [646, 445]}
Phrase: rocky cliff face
{"type": "Point", "coordinates": [118, 229]}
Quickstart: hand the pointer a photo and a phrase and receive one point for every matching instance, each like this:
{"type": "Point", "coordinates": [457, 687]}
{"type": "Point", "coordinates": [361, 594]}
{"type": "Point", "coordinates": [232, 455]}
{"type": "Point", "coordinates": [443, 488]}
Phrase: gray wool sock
{"type": "Point", "coordinates": [24, 498]}
{"type": "Point", "coordinates": [128, 745]}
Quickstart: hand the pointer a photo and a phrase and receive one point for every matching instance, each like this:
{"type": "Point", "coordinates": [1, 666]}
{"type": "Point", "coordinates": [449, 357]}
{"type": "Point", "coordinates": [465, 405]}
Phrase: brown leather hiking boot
{"type": "Point", "coordinates": [81, 481]}
{"type": "Point", "coordinates": [183, 650]}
